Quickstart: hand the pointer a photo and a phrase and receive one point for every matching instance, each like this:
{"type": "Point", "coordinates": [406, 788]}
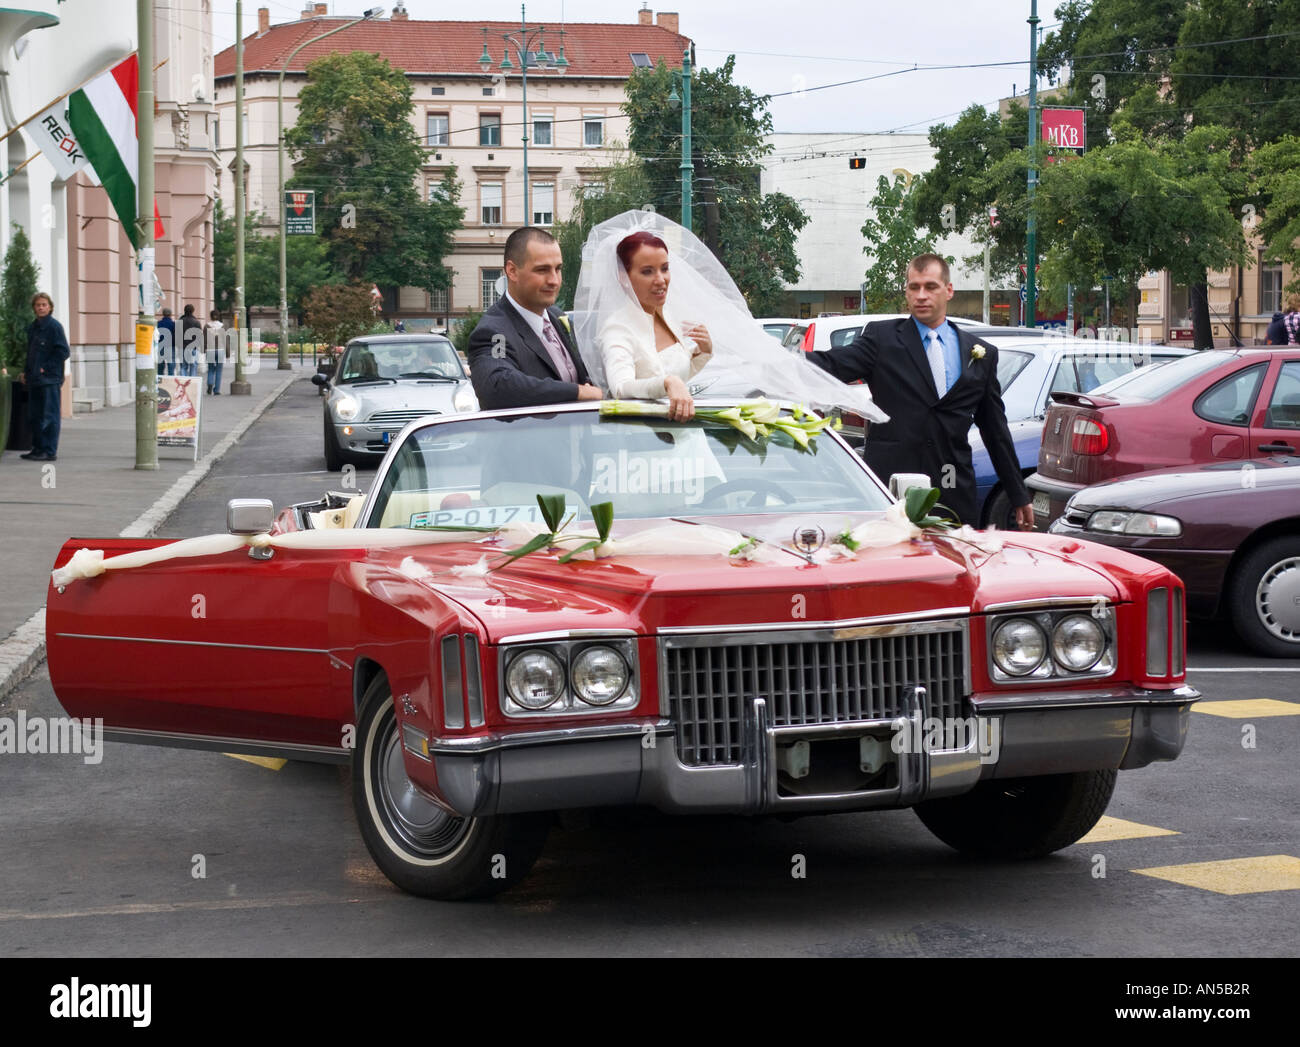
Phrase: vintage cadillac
{"type": "Point", "coordinates": [735, 617]}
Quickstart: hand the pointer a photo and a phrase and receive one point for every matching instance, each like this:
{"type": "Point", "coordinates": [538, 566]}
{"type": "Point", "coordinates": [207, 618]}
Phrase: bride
{"type": "Point", "coordinates": [654, 308]}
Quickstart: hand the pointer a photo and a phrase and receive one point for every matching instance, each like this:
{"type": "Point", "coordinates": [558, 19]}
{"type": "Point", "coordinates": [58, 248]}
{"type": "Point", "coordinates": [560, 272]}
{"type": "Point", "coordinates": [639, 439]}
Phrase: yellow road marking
{"type": "Point", "coordinates": [1274, 872]}
{"type": "Point", "coordinates": [1118, 829]}
{"type": "Point", "coordinates": [271, 763]}
{"type": "Point", "coordinates": [1247, 708]}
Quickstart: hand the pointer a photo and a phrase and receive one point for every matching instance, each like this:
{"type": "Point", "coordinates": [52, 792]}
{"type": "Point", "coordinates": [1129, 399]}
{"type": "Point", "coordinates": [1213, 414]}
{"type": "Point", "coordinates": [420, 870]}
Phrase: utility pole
{"type": "Point", "coordinates": [240, 386]}
{"type": "Point", "coordinates": [687, 167]}
{"type": "Point", "coordinates": [146, 357]}
{"type": "Point", "coordinates": [1031, 246]}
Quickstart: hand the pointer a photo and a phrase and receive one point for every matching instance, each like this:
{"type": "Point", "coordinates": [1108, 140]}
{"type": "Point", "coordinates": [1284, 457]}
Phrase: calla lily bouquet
{"type": "Point", "coordinates": [755, 419]}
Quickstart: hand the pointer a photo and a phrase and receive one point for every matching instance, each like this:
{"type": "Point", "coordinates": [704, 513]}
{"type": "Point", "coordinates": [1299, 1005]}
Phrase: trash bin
{"type": "Point", "coordinates": [20, 429]}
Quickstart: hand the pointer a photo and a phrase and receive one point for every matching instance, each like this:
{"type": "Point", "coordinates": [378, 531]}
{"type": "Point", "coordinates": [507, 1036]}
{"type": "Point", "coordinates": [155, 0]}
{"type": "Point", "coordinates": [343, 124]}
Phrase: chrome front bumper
{"type": "Point", "coordinates": [637, 763]}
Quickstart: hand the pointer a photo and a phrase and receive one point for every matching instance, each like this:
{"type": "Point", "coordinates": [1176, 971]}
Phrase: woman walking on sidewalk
{"type": "Point", "coordinates": [47, 352]}
{"type": "Point", "coordinates": [217, 351]}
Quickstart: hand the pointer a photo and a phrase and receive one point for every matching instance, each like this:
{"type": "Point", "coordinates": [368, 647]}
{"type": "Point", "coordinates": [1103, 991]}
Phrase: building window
{"type": "Point", "coordinates": [1270, 288]}
{"type": "Point", "coordinates": [593, 190]}
{"type": "Point", "coordinates": [489, 129]}
{"type": "Point", "coordinates": [490, 92]}
{"type": "Point", "coordinates": [544, 203]}
{"type": "Point", "coordinates": [437, 90]}
{"type": "Point", "coordinates": [488, 280]}
{"type": "Point", "coordinates": [440, 301]}
{"type": "Point", "coordinates": [593, 131]}
{"type": "Point", "coordinates": [490, 199]}
{"type": "Point", "coordinates": [437, 129]}
{"type": "Point", "coordinates": [542, 131]}
{"type": "Point", "coordinates": [641, 60]}
{"type": "Point", "coordinates": [216, 133]}
{"type": "Point", "coordinates": [436, 191]}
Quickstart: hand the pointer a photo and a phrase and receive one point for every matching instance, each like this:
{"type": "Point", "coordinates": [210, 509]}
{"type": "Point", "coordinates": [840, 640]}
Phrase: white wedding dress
{"type": "Point", "coordinates": [617, 340]}
{"type": "Point", "coordinates": [633, 368]}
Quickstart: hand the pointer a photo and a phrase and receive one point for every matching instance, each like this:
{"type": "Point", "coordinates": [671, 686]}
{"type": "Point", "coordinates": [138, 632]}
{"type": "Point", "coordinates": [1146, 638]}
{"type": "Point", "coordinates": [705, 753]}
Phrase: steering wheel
{"type": "Point", "coordinates": [761, 489]}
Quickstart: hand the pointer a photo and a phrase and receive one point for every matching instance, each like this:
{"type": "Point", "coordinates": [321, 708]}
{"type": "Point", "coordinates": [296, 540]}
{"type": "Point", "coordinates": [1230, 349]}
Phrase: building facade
{"type": "Point", "coordinates": [472, 119]}
{"type": "Point", "coordinates": [834, 256]}
{"type": "Point", "coordinates": [85, 260]}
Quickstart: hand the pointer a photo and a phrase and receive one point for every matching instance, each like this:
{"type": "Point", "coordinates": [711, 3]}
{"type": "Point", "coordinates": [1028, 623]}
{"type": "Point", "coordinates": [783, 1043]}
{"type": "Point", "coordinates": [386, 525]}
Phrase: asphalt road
{"type": "Point", "coordinates": [178, 853]}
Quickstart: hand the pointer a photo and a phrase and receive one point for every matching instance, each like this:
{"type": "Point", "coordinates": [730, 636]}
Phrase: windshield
{"type": "Point", "coordinates": [426, 358]}
{"type": "Point", "coordinates": [1151, 383]}
{"type": "Point", "coordinates": [488, 471]}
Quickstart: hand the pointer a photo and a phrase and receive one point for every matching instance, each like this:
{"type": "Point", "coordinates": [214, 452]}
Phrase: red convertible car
{"type": "Point", "coordinates": [737, 617]}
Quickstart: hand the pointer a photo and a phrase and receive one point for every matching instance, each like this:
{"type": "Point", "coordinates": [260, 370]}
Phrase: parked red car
{"type": "Point", "coordinates": [1218, 405]}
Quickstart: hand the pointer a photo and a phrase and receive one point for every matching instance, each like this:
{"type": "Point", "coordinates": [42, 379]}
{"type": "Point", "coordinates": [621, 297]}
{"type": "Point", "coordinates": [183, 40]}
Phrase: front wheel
{"type": "Point", "coordinates": [333, 456]}
{"type": "Point", "coordinates": [1020, 817]}
{"type": "Point", "coordinates": [424, 849]}
{"type": "Point", "coordinates": [1263, 597]}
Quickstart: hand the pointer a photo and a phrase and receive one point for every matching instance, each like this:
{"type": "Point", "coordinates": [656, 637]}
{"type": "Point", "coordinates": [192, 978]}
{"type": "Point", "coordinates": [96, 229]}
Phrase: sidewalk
{"type": "Point", "coordinates": [94, 490]}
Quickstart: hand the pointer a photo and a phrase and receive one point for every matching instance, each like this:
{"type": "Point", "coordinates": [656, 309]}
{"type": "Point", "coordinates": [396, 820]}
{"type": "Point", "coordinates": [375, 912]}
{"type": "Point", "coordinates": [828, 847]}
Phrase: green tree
{"type": "Point", "coordinates": [1276, 169]}
{"type": "Point", "coordinates": [623, 187]}
{"type": "Point", "coordinates": [17, 287]}
{"type": "Point", "coordinates": [752, 233]}
{"type": "Point", "coordinates": [306, 265]}
{"type": "Point", "coordinates": [355, 145]}
{"type": "Point", "coordinates": [893, 240]}
{"type": "Point", "coordinates": [338, 312]}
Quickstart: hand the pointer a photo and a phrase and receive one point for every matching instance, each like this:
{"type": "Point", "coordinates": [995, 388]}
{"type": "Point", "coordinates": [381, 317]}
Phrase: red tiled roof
{"type": "Point", "coordinates": [592, 48]}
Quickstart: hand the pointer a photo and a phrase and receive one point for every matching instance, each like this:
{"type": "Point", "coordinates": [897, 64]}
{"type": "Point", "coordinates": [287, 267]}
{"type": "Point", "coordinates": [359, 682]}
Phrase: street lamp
{"type": "Point", "coordinates": [684, 100]}
{"type": "Point", "coordinates": [283, 355]}
{"type": "Point", "coordinates": [539, 59]}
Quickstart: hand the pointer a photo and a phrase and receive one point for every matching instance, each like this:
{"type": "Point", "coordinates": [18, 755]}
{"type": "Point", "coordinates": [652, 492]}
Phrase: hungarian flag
{"type": "Point", "coordinates": [103, 117]}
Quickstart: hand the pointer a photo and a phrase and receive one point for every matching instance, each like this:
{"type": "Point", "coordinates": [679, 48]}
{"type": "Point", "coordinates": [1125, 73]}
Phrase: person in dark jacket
{"type": "Point", "coordinates": [191, 342]}
{"type": "Point", "coordinates": [47, 352]}
{"type": "Point", "coordinates": [166, 344]}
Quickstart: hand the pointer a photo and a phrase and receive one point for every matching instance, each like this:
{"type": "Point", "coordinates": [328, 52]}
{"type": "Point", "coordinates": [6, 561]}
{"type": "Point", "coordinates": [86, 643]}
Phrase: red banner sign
{"type": "Point", "coordinates": [1064, 128]}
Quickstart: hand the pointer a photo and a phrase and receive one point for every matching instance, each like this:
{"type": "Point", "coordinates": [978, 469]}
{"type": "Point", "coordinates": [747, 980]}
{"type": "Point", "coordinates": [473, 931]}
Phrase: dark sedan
{"type": "Point", "coordinates": [1229, 530]}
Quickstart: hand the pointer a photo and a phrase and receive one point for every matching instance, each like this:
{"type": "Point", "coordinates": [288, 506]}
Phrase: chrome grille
{"type": "Point", "coordinates": [397, 418]}
{"type": "Point", "coordinates": [709, 682]}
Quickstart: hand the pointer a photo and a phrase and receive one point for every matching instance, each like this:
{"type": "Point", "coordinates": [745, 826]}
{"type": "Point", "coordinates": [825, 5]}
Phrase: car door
{"type": "Point", "coordinates": [1278, 425]}
{"type": "Point", "coordinates": [1224, 411]}
{"type": "Point", "coordinates": [222, 651]}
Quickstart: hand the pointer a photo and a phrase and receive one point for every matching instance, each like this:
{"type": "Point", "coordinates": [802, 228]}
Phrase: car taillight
{"type": "Point", "coordinates": [1089, 437]}
{"type": "Point", "coordinates": [808, 338]}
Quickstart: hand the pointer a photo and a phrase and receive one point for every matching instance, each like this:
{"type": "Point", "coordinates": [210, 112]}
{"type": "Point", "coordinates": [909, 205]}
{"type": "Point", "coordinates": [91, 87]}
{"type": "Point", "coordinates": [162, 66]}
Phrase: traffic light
{"type": "Point", "coordinates": [857, 163]}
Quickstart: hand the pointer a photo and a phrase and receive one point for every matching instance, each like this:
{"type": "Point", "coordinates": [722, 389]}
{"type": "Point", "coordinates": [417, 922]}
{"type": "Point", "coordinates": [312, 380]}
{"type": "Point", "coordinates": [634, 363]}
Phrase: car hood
{"type": "Point", "coordinates": [406, 395]}
{"type": "Point", "coordinates": [1162, 486]}
{"type": "Point", "coordinates": [929, 577]}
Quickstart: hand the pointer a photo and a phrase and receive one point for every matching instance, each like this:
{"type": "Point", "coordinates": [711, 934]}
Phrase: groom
{"type": "Point", "coordinates": [521, 353]}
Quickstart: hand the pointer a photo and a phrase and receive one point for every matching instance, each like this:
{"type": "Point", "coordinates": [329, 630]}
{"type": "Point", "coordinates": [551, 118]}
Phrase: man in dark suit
{"type": "Point", "coordinates": [522, 353]}
{"type": "Point", "coordinates": [933, 380]}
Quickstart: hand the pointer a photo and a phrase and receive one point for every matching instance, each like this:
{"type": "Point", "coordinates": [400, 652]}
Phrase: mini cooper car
{"type": "Point", "coordinates": [381, 383]}
{"type": "Point", "coordinates": [555, 608]}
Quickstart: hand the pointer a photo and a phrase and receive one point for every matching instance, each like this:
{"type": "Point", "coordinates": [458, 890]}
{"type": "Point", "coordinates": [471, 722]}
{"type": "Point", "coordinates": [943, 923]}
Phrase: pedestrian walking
{"type": "Point", "coordinates": [191, 342]}
{"type": "Point", "coordinates": [166, 343]}
{"type": "Point", "coordinates": [47, 353]}
{"type": "Point", "coordinates": [217, 350]}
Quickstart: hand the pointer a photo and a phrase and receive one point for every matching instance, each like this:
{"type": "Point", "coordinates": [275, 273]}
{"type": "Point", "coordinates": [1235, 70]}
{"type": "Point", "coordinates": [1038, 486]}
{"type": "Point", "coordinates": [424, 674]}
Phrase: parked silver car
{"type": "Point", "coordinates": [381, 383]}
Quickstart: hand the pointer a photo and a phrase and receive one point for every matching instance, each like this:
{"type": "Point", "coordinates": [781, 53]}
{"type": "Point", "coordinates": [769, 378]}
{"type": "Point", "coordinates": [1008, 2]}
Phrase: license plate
{"type": "Point", "coordinates": [386, 437]}
{"type": "Point", "coordinates": [1042, 503]}
{"type": "Point", "coordinates": [477, 516]}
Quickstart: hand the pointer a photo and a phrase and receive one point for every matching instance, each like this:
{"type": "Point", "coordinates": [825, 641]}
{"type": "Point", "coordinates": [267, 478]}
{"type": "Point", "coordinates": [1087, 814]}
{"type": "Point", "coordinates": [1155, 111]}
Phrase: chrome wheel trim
{"type": "Point", "coordinates": [422, 827]}
{"type": "Point", "coordinates": [1277, 600]}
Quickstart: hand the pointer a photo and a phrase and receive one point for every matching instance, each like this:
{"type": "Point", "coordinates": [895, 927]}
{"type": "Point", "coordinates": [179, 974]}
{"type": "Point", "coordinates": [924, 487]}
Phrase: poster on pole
{"type": "Point", "coordinates": [180, 402]}
{"type": "Point", "coordinates": [1064, 128]}
{"type": "Point", "coordinates": [299, 212]}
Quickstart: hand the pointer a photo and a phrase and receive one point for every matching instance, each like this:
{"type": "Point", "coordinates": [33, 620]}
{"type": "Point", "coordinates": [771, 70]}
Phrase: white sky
{"type": "Point", "coordinates": [798, 46]}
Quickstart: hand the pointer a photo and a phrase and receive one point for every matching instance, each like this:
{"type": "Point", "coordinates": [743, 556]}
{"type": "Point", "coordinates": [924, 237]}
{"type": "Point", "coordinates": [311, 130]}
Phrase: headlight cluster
{"type": "Point", "coordinates": [465, 400]}
{"type": "Point", "coordinates": [1111, 521]}
{"type": "Point", "coordinates": [1042, 644]}
{"type": "Point", "coordinates": [569, 677]}
{"type": "Point", "coordinates": [346, 408]}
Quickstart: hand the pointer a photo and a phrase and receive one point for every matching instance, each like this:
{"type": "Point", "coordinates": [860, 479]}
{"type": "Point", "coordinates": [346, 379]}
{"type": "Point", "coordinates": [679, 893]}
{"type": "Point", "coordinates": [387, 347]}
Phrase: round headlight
{"type": "Point", "coordinates": [1078, 643]}
{"type": "Point", "coordinates": [465, 400]}
{"type": "Point", "coordinates": [600, 675]}
{"type": "Point", "coordinates": [535, 679]}
{"type": "Point", "coordinates": [1019, 647]}
{"type": "Point", "coordinates": [346, 408]}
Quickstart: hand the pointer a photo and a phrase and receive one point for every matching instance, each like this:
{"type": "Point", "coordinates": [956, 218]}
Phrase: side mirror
{"type": "Point", "coordinates": [320, 380]}
{"type": "Point", "coordinates": [901, 483]}
{"type": "Point", "coordinates": [248, 516]}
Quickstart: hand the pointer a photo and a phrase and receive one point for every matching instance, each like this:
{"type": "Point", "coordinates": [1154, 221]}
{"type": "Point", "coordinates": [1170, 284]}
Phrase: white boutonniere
{"type": "Point", "coordinates": [977, 352]}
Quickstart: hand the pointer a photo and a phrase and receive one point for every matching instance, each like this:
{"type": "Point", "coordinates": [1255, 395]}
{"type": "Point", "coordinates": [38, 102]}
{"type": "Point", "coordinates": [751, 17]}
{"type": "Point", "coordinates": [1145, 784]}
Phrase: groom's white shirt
{"type": "Point", "coordinates": [634, 368]}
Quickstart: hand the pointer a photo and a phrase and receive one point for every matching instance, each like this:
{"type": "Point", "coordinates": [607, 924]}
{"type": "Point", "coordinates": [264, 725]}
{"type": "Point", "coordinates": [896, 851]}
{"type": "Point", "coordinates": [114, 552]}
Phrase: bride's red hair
{"type": "Point", "coordinates": [629, 246]}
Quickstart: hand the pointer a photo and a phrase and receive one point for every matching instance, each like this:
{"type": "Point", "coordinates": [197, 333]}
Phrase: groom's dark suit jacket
{"type": "Point", "coordinates": [926, 433]}
{"type": "Point", "coordinates": [520, 373]}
